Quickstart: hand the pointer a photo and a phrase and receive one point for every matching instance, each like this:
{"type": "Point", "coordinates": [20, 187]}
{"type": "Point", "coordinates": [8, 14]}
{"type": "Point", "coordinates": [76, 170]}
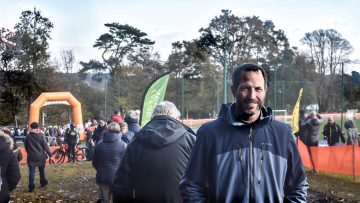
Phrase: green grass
{"type": "Point", "coordinates": [342, 187]}
{"type": "Point", "coordinates": [76, 183]}
{"type": "Point", "coordinates": [67, 183]}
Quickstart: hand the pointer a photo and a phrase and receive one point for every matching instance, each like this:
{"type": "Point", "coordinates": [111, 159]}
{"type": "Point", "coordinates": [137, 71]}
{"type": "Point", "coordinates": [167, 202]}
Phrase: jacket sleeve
{"type": "Point", "coordinates": [46, 147]}
{"type": "Point", "coordinates": [95, 158]}
{"type": "Point", "coordinates": [296, 185]}
{"type": "Point", "coordinates": [122, 188]}
{"type": "Point", "coordinates": [193, 185]}
{"type": "Point", "coordinates": [13, 173]}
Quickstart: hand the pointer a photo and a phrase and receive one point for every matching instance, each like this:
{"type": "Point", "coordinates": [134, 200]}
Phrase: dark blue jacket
{"type": "Point", "coordinates": [154, 163]}
{"type": "Point", "coordinates": [107, 157]}
{"type": "Point", "coordinates": [134, 127]}
{"type": "Point", "coordinates": [237, 162]}
{"type": "Point", "coordinates": [127, 137]}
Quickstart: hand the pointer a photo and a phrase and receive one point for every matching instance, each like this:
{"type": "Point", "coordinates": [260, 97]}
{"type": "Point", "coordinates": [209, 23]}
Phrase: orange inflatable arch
{"type": "Point", "coordinates": [58, 96]}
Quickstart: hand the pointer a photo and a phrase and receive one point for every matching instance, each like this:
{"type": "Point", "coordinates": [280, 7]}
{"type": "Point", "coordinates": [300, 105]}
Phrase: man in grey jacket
{"type": "Point", "coordinates": [245, 155]}
{"type": "Point", "coordinates": [37, 151]}
{"type": "Point", "coordinates": [311, 126]}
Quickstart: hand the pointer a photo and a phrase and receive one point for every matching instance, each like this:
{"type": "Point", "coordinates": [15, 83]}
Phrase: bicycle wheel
{"type": "Point", "coordinates": [58, 156]}
{"type": "Point", "coordinates": [80, 154]}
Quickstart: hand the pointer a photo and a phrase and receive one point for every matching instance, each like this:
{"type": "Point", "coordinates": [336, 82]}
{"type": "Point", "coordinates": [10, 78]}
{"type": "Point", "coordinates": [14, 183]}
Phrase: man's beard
{"type": "Point", "coordinates": [247, 113]}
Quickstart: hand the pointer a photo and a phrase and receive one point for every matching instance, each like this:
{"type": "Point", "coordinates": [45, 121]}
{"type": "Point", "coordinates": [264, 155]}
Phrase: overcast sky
{"type": "Point", "coordinates": [78, 23]}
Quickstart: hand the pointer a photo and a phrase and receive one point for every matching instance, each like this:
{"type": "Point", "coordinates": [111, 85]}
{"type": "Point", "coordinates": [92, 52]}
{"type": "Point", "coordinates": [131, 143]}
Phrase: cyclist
{"type": "Point", "coordinates": [72, 138]}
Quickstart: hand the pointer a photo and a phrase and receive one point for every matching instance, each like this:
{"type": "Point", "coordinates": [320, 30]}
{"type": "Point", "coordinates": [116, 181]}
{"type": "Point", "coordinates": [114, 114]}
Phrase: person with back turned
{"type": "Point", "coordinates": [37, 151]}
{"type": "Point", "coordinates": [245, 155]}
{"type": "Point", "coordinates": [155, 160]}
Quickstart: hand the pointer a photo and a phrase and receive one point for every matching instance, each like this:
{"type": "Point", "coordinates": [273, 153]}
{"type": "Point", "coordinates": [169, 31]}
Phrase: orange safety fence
{"type": "Point", "coordinates": [343, 159]}
{"type": "Point", "coordinates": [196, 122]}
{"type": "Point", "coordinates": [305, 155]}
{"type": "Point", "coordinates": [23, 160]}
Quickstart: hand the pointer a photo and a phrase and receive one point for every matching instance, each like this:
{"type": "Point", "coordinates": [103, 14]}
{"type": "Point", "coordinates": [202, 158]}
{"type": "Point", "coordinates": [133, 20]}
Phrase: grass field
{"type": "Point", "coordinates": [67, 183]}
{"type": "Point", "coordinates": [341, 188]}
{"type": "Point", "coordinates": [76, 183]}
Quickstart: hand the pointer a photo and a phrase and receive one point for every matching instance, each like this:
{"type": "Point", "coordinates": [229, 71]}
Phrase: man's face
{"type": "Point", "coordinates": [250, 95]}
{"type": "Point", "coordinates": [331, 120]}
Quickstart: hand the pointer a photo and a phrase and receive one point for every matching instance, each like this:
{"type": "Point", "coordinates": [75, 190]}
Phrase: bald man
{"type": "Point", "coordinates": [332, 132]}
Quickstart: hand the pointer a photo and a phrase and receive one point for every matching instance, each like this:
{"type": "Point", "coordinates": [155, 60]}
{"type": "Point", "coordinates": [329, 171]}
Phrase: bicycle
{"type": "Point", "coordinates": [62, 152]}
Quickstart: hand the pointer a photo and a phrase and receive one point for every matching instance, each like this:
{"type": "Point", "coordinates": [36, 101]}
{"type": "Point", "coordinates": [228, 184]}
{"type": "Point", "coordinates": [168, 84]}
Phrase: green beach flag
{"type": "Point", "coordinates": [153, 95]}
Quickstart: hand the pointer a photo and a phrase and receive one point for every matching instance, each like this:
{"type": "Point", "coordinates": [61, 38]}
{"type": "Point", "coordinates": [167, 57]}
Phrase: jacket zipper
{"type": "Point", "coordinates": [240, 159]}
{"type": "Point", "coordinates": [251, 165]}
{"type": "Point", "coordinates": [260, 166]}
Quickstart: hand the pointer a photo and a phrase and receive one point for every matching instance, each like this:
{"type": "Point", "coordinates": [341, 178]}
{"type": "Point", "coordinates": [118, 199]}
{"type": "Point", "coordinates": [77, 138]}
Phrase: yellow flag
{"type": "Point", "coordinates": [296, 114]}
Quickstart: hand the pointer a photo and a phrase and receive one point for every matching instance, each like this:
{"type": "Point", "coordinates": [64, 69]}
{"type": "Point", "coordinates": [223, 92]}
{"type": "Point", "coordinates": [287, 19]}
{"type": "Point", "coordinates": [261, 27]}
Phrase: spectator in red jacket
{"type": "Point", "coordinates": [116, 117]}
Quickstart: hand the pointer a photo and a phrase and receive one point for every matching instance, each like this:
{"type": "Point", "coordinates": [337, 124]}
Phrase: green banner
{"type": "Point", "coordinates": [154, 94]}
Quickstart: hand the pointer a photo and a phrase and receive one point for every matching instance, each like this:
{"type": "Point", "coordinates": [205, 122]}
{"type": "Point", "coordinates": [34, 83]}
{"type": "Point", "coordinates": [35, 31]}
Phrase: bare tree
{"type": "Point", "coordinates": [327, 50]}
{"type": "Point", "coordinates": [68, 59]}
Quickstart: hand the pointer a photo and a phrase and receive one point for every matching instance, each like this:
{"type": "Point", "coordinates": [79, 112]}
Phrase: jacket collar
{"type": "Point", "coordinates": [227, 113]}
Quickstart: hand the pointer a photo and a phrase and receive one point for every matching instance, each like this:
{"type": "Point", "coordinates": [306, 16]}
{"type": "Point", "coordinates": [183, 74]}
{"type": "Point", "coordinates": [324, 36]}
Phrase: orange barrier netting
{"type": "Point", "coordinates": [335, 159]}
{"type": "Point", "coordinates": [343, 159]}
{"type": "Point", "coordinates": [23, 160]}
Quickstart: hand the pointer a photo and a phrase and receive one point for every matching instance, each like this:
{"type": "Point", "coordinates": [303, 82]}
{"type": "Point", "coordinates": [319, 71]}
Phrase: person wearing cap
{"type": "Point", "coordinates": [37, 151]}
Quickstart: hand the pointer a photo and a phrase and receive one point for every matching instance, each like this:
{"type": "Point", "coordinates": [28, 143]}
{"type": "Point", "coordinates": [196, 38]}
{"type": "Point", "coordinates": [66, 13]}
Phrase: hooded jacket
{"type": "Point", "coordinates": [36, 148]}
{"type": "Point", "coordinates": [154, 162]}
{"type": "Point", "coordinates": [9, 167]}
{"type": "Point", "coordinates": [132, 122]}
{"type": "Point", "coordinates": [237, 162]}
{"type": "Point", "coordinates": [107, 157]}
{"type": "Point", "coordinates": [312, 130]}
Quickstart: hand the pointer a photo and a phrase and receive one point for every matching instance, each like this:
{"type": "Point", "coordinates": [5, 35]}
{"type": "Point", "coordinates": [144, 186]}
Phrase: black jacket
{"type": "Point", "coordinates": [36, 148]}
{"type": "Point", "coordinates": [154, 162]}
{"type": "Point", "coordinates": [72, 136]}
{"type": "Point", "coordinates": [97, 133]}
{"type": "Point", "coordinates": [332, 132]}
{"type": "Point", "coordinates": [9, 167]}
{"type": "Point", "coordinates": [107, 157]}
